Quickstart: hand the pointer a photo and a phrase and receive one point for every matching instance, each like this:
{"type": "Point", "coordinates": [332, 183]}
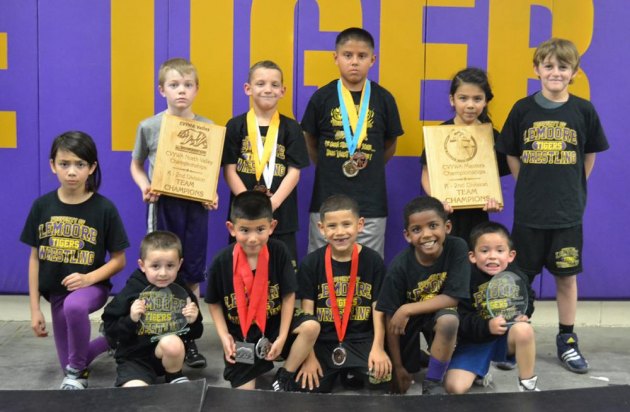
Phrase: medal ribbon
{"type": "Point", "coordinates": [341, 323]}
{"type": "Point", "coordinates": [246, 284]}
{"type": "Point", "coordinates": [262, 154]}
{"type": "Point", "coordinates": [349, 117]}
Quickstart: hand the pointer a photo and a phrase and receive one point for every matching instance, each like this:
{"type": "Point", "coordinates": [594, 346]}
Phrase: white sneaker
{"type": "Point", "coordinates": [528, 385]}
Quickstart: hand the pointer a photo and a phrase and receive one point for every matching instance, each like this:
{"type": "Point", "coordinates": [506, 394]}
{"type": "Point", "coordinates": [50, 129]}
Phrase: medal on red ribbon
{"type": "Point", "coordinates": [251, 301]}
{"type": "Point", "coordinates": [339, 354]}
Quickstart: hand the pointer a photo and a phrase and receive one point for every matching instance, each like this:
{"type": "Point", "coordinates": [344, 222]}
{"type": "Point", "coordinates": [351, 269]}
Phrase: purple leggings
{"type": "Point", "coordinates": [71, 326]}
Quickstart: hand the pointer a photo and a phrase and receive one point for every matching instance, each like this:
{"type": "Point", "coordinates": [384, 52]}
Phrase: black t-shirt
{"type": "Point", "coordinates": [282, 281]}
{"type": "Point", "coordinates": [72, 238]}
{"type": "Point", "coordinates": [408, 281]}
{"type": "Point", "coordinates": [551, 143]}
{"type": "Point", "coordinates": [473, 313]}
{"type": "Point", "coordinates": [322, 120]}
{"type": "Point", "coordinates": [291, 152]}
{"type": "Point", "coordinates": [313, 286]}
{"type": "Point", "coordinates": [122, 332]}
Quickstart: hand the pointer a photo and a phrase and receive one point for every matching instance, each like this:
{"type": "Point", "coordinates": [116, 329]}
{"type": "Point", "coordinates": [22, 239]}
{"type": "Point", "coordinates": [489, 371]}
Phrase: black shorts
{"type": "Point", "coordinates": [558, 250]}
{"type": "Point", "coordinates": [356, 362]}
{"type": "Point", "coordinates": [146, 369]}
{"type": "Point", "coordinates": [239, 374]}
{"type": "Point", "coordinates": [410, 341]}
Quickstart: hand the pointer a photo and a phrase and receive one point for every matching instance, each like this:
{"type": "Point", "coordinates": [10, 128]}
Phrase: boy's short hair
{"type": "Point", "coordinates": [180, 65]}
{"type": "Point", "coordinates": [564, 50]}
{"type": "Point", "coordinates": [251, 205]}
{"type": "Point", "coordinates": [264, 64]}
{"type": "Point", "coordinates": [485, 228]}
{"type": "Point", "coordinates": [160, 240]}
{"type": "Point", "coordinates": [423, 204]}
{"type": "Point", "coordinates": [335, 203]}
{"type": "Point", "coordinates": [354, 33]}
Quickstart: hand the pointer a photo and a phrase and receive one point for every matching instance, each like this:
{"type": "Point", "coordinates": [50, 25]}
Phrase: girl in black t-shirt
{"type": "Point", "coordinates": [469, 96]}
{"type": "Point", "coordinates": [70, 230]}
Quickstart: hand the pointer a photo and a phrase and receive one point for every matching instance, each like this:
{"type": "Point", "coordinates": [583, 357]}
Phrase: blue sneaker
{"type": "Point", "coordinates": [505, 365]}
{"type": "Point", "coordinates": [569, 353]}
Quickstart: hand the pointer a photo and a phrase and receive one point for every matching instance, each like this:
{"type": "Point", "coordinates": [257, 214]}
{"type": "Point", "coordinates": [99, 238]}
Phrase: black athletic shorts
{"type": "Point", "coordinates": [410, 341]}
{"type": "Point", "coordinates": [558, 250]}
{"type": "Point", "coordinates": [239, 374]}
{"type": "Point", "coordinates": [146, 369]}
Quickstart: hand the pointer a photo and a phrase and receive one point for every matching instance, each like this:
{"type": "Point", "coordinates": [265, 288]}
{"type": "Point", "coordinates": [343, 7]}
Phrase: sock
{"type": "Point", "coordinates": [437, 369]}
{"type": "Point", "coordinates": [565, 328]}
{"type": "Point", "coordinates": [168, 377]}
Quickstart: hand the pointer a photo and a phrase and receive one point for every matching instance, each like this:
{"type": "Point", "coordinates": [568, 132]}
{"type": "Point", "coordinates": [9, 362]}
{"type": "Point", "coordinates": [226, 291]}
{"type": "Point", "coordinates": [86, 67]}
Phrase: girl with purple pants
{"type": "Point", "coordinates": [70, 231]}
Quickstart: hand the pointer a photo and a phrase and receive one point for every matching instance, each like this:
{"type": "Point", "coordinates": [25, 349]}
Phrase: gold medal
{"type": "Point", "coordinates": [349, 168]}
{"type": "Point", "coordinates": [360, 160]}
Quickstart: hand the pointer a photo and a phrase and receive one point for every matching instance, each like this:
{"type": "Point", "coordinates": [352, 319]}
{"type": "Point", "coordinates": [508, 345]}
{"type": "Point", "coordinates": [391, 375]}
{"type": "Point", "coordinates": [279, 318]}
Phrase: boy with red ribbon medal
{"type": "Point", "coordinates": [351, 125]}
{"type": "Point", "coordinates": [251, 297]}
{"type": "Point", "coordinates": [420, 293]}
{"type": "Point", "coordinates": [340, 283]}
{"type": "Point", "coordinates": [265, 151]}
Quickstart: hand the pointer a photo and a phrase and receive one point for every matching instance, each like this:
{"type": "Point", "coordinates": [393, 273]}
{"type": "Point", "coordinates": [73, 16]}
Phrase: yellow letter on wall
{"type": "Point", "coordinates": [133, 84]}
{"type": "Point", "coordinates": [211, 51]}
{"type": "Point", "coordinates": [8, 120]}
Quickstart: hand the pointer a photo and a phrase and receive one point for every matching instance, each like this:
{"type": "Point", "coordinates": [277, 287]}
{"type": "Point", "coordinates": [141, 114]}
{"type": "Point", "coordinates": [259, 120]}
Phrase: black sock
{"type": "Point", "coordinates": [565, 328]}
{"type": "Point", "coordinates": [168, 377]}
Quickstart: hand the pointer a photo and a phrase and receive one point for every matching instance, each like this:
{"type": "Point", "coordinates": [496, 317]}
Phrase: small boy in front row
{"type": "Point", "coordinates": [551, 139]}
{"type": "Point", "coordinates": [140, 360]}
{"type": "Point", "coordinates": [340, 283]}
{"type": "Point", "coordinates": [251, 297]}
{"type": "Point", "coordinates": [483, 338]}
{"type": "Point", "coordinates": [265, 150]}
{"type": "Point", "coordinates": [423, 286]}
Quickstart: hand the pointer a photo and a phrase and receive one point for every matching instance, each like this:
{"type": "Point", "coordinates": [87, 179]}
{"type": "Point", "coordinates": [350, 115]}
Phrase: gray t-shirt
{"type": "Point", "coordinates": [147, 139]}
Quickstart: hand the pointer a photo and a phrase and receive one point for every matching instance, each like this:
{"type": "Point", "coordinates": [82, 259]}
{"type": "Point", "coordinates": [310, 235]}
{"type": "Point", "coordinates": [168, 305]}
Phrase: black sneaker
{"type": "Point", "coordinates": [569, 353]}
{"type": "Point", "coordinates": [430, 387]}
{"type": "Point", "coordinates": [193, 358]}
{"type": "Point", "coordinates": [283, 381]}
{"type": "Point", "coordinates": [75, 379]}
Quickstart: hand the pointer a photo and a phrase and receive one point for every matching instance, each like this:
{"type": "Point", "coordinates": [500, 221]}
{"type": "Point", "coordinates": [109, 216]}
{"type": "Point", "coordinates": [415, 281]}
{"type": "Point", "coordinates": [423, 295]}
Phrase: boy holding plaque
{"type": "Point", "coordinates": [151, 317]}
{"type": "Point", "coordinates": [351, 125]}
{"type": "Point", "coordinates": [265, 150]}
{"type": "Point", "coordinates": [420, 293]}
{"type": "Point", "coordinates": [251, 297]}
{"type": "Point", "coordinates": [482, 337]}
{"type": "Point", "coordinates": [340, 283]}
{"type": "Point", "coordinates": [551, 139]}
{"type": "Point", "coordinates": [178, 84]}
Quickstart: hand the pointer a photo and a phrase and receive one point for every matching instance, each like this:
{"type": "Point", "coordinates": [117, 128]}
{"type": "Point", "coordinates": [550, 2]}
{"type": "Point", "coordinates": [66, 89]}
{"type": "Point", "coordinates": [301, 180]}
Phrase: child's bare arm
{"type": "Point", "coordinates": [38, 322]}
{"type": "Point", "coordinates": [227, 341]}
{"type": "Point", "coordinates": [232, 179]}
{"type": "Point", "coordinates": [139, 175]}
{"type": "Point", "coordinates": [378, 361]}
{"type": "Point", "coordinates": [289, 182]}
{"type": "Point", "coordinates": [115, 264]}
{"type": "Point", "coordinates": [589, 163]}
{"type": "Point", "coordinates": [399, 320]}
{"type": "Point", "coordinates": [514, 163]}
{"type": "Point", "coordinates": [311, 147]}
{"type": "Point", "coordinates": [390, 149]}
{"type": "Point", "coordinates": [286, 316]}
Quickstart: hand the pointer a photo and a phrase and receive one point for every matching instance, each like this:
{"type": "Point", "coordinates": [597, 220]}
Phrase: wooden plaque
{"type": "Point", "coordinates": [462, 165]}
{"type": "Point", "coordinates": [188, 159]}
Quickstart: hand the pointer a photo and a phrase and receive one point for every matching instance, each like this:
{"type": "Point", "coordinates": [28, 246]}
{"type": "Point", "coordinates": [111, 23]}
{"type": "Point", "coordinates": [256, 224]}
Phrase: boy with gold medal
{"type": "Point", "coordinates": [350, 146]}
{"type": "Point", "coordinates": [265, 151]}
